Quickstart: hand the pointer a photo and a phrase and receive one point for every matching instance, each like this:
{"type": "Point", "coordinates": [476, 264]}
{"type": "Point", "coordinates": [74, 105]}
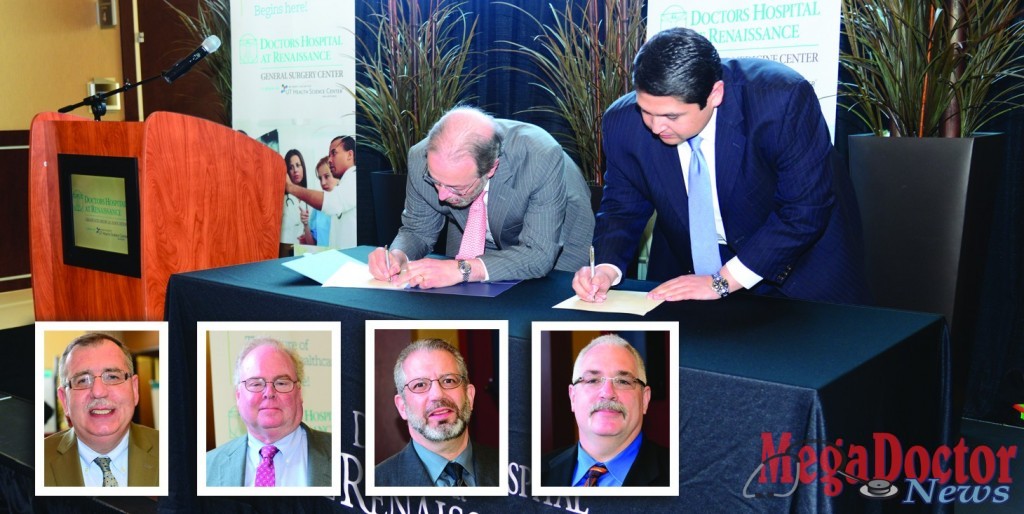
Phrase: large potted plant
{"type": "Point", "coordinates": [413, 67]}
{"type": "Point", "coordinates": [584, 61]}
{"type": "Point", "coordinates": [930, 74]}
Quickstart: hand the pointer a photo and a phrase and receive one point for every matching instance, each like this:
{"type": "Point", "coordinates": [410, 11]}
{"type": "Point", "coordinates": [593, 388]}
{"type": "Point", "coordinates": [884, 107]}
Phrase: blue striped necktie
{"type": "Point", "coordinates": [703, 235]}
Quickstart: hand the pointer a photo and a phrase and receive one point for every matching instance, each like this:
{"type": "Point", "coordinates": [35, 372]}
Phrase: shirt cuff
{"type": "Point", "coordinates": [487, 276]}
{"type": "Point", "coordinates": [742, 274]}
{"type": "Point", "coordinates": [618, 273]}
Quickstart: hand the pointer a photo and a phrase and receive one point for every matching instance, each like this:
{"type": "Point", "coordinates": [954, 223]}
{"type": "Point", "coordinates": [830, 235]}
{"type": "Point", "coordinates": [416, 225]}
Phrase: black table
{"type": "Point", "coordinates": [749, 366]}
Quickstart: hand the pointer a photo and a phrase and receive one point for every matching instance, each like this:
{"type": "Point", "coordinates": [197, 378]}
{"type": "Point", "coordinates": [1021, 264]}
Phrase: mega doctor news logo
{"type": "Point", "coordinates": [882, 469]}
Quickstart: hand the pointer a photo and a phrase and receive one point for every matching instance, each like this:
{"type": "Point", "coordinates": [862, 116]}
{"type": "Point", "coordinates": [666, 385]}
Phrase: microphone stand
{"type": "Point", "coordinates": [98, 102]}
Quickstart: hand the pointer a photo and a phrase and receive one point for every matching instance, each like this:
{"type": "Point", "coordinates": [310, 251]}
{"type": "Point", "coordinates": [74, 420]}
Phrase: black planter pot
{"type": "Point", "coordinates": [388, 202]}
{"type": "Point", "coordinates": [927, 207]}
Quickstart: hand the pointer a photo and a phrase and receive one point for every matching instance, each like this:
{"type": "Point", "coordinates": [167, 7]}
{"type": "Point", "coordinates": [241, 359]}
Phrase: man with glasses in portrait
{"type": "Point", "coordinates": [279, 450]}
{"type": "Point", "coordinates": [98, 391]}
{"type": "Point", "coordinates": [609, 396]}
{"type": "Point", "coordinates": [516, 205]}
{"type": "Point", "coordinates": [435, 398]}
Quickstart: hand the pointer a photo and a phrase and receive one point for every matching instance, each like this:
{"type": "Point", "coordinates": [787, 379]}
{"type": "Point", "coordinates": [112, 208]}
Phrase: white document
{"type": "Point", "coordinates": [628, 302]}
{"type": "Point", "coordinates": [357, 274]}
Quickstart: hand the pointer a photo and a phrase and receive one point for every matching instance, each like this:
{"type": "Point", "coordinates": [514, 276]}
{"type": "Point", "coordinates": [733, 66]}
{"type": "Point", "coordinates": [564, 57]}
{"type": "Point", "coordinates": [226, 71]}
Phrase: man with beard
{"type": "Point", "coordinates": [516, 205]}
{"type": "Point", "coordinates": [279, 450]}
{"type": "Point", "coordinates": [609, 396]}
{"type": "Point", "coordinates": [436, 399]}
{"type": "Point", "coordinates": [99, 391]}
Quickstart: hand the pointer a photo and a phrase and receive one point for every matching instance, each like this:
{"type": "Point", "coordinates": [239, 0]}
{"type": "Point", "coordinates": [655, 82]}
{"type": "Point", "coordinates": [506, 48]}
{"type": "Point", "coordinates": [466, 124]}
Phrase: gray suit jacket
{"type": "Point", "coordinates": [538, 209]}
{"type": "Point", "coordinates": [225, 464]}
{"type": "Point", "coordinates": [62, 467]}
{"type": "Point", "coordinates": [405, 469]}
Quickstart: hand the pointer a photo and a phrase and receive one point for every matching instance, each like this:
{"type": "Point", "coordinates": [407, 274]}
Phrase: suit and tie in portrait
{"type": "Point", "coordinates": [278, 449]}
{"type": "Point", "coordinates": [62, 465]}
{"type": "Point", "coordinates": [225, 465]}
{"type": "Point", "coordinates": [99, 392]}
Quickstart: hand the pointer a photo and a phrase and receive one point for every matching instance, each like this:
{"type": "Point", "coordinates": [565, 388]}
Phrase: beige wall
{"type": "Point", "coordinates": [49, 51]}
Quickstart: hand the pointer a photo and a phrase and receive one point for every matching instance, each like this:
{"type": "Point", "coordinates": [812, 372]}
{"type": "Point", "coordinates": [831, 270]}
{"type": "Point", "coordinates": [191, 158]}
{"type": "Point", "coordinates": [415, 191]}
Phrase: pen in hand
{"type": "Point", "coordinates": [593, 288]}
{"type": "Point", "coordinates": [387, 261]}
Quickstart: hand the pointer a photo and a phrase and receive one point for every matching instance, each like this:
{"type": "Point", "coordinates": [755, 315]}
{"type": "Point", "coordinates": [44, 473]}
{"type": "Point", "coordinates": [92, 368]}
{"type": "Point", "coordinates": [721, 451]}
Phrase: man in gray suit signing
{"type": "Point", "coordinates": [516, 205]}
{"type": "Point", "coordinates": [435, 397]}
{"type": "Point", "coordinates": [279, 450]}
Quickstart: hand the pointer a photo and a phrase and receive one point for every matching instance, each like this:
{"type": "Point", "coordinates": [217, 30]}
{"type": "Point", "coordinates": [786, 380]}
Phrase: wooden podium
{"type": "Point", "coordinates": [208, 196]}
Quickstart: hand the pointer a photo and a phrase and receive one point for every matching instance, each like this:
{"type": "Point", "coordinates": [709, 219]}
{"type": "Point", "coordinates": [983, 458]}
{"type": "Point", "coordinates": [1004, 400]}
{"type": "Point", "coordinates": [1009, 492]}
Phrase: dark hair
{"type": "Point", "coordinates": [348, 143]}
{"type": "Point", "coordinates": [90, 339]}
{"type": "Point", "coordinates": [288, 160]}
{"type": "Point", "coordinates": [677, 62]}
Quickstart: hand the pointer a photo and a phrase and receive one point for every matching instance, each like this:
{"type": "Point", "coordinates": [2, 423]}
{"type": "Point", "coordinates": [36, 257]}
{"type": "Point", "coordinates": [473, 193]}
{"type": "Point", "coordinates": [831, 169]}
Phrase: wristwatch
{"type": "Point", "coordinates": [465, 268]}
{"type": "Point", "coordinates": [720, 285]}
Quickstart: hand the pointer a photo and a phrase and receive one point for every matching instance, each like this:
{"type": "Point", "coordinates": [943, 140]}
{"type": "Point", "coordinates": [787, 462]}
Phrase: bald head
{"type": "Point", "coordinates": [466, 133]}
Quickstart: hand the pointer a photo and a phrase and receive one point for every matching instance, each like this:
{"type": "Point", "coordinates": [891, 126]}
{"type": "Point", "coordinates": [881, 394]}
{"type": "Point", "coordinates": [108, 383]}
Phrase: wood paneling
{"type": "Point", "coordinates": [14, 259]}
{"type": "Point", "coordinates": [199, 209]}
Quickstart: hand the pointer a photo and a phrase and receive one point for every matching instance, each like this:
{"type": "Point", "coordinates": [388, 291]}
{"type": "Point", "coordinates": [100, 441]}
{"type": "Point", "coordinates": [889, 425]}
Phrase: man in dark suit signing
{"type": "Point", "coordinates": [609, 396]}
{"type": "Point", "coordinates": [103, 448]}
{"type": "Point", "coordinates": [516, 205]}
{"type": "Point", "coordinates": [435, 397]}
{"type": "Point", "coordinates": [735, 157]}
{"type": "Point", "coordinates": [278, 449]}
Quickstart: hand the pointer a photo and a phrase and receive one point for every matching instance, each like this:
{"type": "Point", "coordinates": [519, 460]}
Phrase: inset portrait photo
{"type": "Point", "coordinates": [437, 408]}
{"type": "Point", "coordinates": [267, 396]}
{"type": "Point", "coordinates": [101, 413]}
{"type": "Point", "coordinates": [605, 409]}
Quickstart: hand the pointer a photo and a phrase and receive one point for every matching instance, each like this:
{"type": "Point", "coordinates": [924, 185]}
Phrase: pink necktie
{"type": "Point", "coordinates": [265, 471]}
{"type": "Point", "coordinates": [475, 236]}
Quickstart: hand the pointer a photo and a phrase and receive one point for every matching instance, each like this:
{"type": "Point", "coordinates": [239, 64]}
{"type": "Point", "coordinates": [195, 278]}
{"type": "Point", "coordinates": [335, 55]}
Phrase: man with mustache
{"type": "Point", "coordinates": [99, 391]}
{"type": "Point", "coordinates": [515, 204]}
{"type": "Point", "coordinates": [609, 396]}
{"type": "Point", "coordinates": [279, 450]}
{"type": "Point", "coordinates": [435, 397]}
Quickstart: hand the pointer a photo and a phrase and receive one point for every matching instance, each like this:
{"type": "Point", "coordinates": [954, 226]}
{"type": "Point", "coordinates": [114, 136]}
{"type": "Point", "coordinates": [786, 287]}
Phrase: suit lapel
{"type": "Point", "coordinates": [318, 453]}
{"type": "Point", "coordinates": [67, 467]}
{"type": "Point", "coordinates": [143, 460]}
{"type": "Point", "coordinates": [667, 182]}
{"type": "Point", "coordinates": [730, 145]}
{"type": "Point", "coordinates": [499, 198]}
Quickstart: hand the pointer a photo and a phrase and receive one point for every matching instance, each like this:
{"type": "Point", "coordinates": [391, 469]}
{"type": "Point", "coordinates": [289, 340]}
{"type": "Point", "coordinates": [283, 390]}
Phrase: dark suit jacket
{"type": "Point", "coordinates": [405, 469]}
{"type": "Point", "coordinates": [650, 469]}
{"type": "Point", "coordinates": [789, 213]}
{"type": "Point", "coordinates": [538, 209]}
{"type": "Point", "coordinates": [62, 467]}
{"type": "Point", "coordinates": [225, 464]}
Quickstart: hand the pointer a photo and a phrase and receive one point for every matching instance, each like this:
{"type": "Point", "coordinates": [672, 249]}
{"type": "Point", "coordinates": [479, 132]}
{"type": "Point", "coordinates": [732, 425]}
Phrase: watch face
{"type": "Point", "coordinates": [464, 267]}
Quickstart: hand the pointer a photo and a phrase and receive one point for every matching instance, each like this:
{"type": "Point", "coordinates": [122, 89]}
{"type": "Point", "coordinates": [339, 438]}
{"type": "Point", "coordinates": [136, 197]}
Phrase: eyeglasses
{"type": "Point", "coordinates": [460, 191]}
{"type": "Point", "coordinates": [422, 385]}
{"type": "Point", "coordinates": [257, 384]}
{"type": "Point", "coordinates": [110, 378]}
{"type": "Point", "coordinates": [619, 383]}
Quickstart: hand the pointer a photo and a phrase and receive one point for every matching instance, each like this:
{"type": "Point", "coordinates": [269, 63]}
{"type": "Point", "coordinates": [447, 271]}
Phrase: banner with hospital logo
{"type": "Point", "coordinates": [293, 65]}
{"type": "Point", "coordinates": [801, 35]}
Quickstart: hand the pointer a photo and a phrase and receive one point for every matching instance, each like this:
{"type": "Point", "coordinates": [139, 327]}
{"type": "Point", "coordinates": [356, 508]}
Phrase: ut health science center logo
{"type": "Point", "coordinates": [883, 470]}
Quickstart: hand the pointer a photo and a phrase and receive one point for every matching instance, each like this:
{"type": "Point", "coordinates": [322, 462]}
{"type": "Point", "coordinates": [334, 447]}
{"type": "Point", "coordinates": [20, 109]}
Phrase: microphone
{"type": "Point", "coordinates": [210, 45]}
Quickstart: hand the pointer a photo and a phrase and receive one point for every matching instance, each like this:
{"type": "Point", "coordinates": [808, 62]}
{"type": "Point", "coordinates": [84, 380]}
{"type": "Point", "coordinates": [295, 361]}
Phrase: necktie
{"type": "Point", "coordinates": [594, 473]}
{"type": "Point", "coordinates": [453, 475]}
{"type": "Point", "coordinates": [475, 236]}
{"type": "Point", "coordinates": [703, 235]}
{"type": "Point", "coordinates": [265, 471]}
{"type": "Point", "coordinates": [108, 477]}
